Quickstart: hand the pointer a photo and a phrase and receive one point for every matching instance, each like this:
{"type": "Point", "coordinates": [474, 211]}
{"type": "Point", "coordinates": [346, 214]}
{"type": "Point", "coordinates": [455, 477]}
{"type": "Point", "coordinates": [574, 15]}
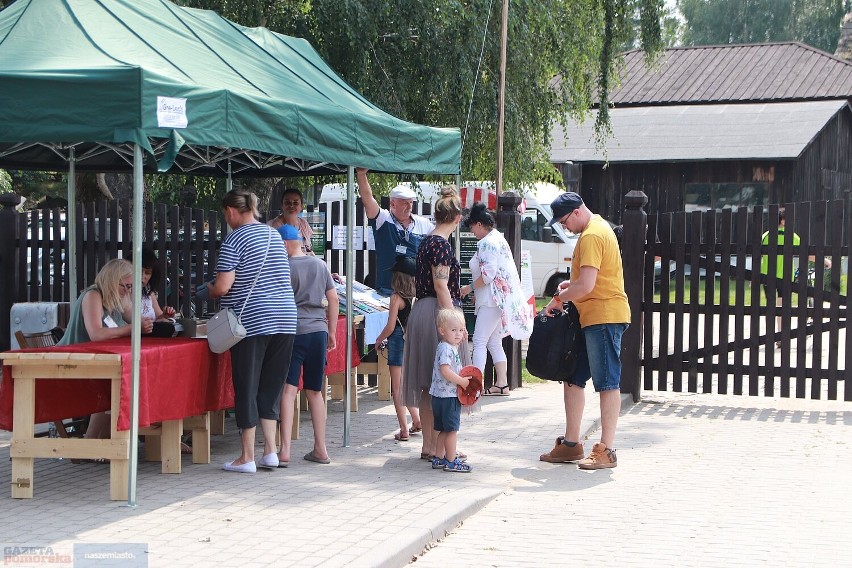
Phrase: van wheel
{"type": "Point", "coordinates": [554, 283]}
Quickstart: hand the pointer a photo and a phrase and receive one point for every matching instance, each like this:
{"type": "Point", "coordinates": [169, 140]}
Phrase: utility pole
{"type": "Point", "coordinates": [501, 97]}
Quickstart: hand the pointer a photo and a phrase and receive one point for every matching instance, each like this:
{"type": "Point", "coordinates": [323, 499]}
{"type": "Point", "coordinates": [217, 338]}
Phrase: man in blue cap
{"type": "Point", "coordinates": [396, 231]}
{"type": "Point", "coordinates": [597, 290]}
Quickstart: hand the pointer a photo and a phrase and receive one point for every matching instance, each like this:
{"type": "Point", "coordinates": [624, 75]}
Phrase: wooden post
{"type": "Point", "coordinates": [8, 246]}
{"type": "Point", "coordinates": [509, 222]}
{"type": "Point", "coordinates": [633, 256]}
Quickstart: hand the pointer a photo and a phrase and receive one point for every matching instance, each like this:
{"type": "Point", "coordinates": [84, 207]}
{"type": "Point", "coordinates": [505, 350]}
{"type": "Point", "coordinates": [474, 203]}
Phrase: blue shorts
{"type": "Point", "coordinates": [396, 347]}
{"type": "Point", "coordinates": [447, 412]}
{"type": "Point", "coordinates": [601, 360]}
{"type": "Point", "coordinates": [308, 359]}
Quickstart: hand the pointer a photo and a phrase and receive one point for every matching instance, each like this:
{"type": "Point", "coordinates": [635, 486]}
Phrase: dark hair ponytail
{"type": "Point", "coordinates": [479, 214]}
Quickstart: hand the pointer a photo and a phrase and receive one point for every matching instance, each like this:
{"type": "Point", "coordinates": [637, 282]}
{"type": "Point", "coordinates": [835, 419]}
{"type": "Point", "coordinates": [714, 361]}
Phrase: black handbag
{"type": "Point", "coordinates": [555, 344]}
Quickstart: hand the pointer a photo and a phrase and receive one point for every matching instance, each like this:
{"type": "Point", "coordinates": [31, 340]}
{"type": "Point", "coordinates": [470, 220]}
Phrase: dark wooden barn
{"type": "Point", "coordinates": [718, 126]}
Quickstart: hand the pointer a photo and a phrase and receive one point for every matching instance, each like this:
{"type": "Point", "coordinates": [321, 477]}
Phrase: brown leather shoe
{"type": "Point", "coordinates": [562, 453]}
{"type": "Point", "coordinates": [600, 458]}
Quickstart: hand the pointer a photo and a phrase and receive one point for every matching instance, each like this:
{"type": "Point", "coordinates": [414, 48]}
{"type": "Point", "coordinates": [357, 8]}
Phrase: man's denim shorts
{"type": "Point", "coordinates": [602, 359]}
{"type": "Point", "coordinates": [396, 347]}
{"type": "Point", "coordinates": [447, 412]}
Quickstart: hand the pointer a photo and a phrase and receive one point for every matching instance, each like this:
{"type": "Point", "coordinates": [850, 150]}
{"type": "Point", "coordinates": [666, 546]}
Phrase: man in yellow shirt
{"type": "Point", "coordinates": [597, 290]}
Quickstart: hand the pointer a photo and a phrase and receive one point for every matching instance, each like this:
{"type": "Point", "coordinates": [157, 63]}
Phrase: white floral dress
{"type": "Point", "coordinates": [494, 262]}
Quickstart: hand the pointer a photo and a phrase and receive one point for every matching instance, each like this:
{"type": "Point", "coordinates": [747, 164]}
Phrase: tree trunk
{"type": "Point", "coordinates": [844, 44]}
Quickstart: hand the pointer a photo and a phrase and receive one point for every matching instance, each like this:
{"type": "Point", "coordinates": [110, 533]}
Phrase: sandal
{"type": "Point", "coordinates": [426, 456]}
{"type": "Point", "coordinates": [414, 429]}
{"type": "Point", "coordinates": [399, 438]}
{"type": "Point", "coordinates": [502, 391]}
{"type": "Point", "coordinates": [457, 466]}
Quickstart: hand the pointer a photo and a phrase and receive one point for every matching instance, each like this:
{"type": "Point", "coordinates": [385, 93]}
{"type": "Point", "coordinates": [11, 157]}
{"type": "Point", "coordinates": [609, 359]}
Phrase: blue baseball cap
{"type": "Point", "coordinates": [289, 233]}
{"type": "Point", "coordinates": [566, 203]}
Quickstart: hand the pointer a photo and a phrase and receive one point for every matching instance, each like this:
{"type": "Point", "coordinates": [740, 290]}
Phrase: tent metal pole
{"type": "Point", "coordinates": [71, 218]}
{"type": "Point", "coordinates": [350, 275]}
{"type": "Point", "coordinates": [229, 185]}
{"type": "Point", "coordinates": [136, 329]}
{"type": "Point", "coordinates": [458, 227]}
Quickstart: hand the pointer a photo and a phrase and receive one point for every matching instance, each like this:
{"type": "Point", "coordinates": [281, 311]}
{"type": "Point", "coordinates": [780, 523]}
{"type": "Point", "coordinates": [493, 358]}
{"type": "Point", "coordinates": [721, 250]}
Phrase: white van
{"type": "Point", "coordinates": [551, 248]}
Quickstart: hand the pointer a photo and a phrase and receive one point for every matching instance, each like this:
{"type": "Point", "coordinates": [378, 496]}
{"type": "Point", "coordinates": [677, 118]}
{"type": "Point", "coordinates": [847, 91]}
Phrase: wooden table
{"type": "Point", "coordinates": [181, 381]}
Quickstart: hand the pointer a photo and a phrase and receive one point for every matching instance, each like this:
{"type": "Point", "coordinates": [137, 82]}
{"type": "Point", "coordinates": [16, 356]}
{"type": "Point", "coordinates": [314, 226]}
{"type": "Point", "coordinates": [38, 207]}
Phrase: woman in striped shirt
{"type": "Point", "coordinates": [253, 278]}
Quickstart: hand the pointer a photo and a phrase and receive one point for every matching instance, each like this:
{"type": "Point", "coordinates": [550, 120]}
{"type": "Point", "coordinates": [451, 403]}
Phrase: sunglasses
{"type": "Point", "coordinates": [127, 287]}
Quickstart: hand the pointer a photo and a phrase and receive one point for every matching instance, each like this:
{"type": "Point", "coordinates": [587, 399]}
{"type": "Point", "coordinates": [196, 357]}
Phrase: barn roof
{"type": "Point", "coordinates": [699, 132]}
{"type": "Point", "coordinates": [788, 71]}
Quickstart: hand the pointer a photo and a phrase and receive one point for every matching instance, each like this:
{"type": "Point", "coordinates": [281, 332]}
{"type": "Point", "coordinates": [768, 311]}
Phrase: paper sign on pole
{"type": "Point", "coordinates": [371, 240]}
{"type": "Point", "coordinates": [338, 237]}
{"type": "Point", "coordinates": [526, 278]}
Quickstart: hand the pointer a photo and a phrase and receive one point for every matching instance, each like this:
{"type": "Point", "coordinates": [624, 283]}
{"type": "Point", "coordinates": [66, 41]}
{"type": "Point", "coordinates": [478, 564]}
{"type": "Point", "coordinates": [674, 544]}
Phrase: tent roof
{"type": "Point", "coordinates": [100, 75]}
{"type": "Point", "coordinates": [698, 132]}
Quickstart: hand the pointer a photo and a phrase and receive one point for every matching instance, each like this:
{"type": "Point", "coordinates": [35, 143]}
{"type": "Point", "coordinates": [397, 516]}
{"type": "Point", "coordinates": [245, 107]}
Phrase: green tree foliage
{"type": "Point", "coordinates": [5, 182]}
{"type": "Point", "coordinates": [714, 22]}
{"type": "Point", "coordinates": [436, 62]}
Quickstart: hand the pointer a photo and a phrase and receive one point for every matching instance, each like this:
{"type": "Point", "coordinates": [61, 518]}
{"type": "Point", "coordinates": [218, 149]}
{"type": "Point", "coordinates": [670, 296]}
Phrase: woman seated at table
{"type": "Point", "coordinates": [99, 314]}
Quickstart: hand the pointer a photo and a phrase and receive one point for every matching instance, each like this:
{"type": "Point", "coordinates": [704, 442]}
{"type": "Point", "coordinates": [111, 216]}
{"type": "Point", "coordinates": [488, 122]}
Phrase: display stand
{"type": "Point", "coordinates": [370, 310]}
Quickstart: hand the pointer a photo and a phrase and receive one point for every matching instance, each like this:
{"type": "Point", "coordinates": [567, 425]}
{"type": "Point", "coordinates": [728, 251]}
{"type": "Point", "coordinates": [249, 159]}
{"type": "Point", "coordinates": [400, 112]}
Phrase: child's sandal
{"type": "Point", "coordinates": [456, 466]}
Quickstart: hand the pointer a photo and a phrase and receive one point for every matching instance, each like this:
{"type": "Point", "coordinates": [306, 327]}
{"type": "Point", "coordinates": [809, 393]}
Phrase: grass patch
{"type": "Point", "coordinates": [526, 378]}
{"type": "Point", "coordinates": [730, 293]}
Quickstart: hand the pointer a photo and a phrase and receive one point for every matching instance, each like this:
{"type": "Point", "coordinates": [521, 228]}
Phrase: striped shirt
{"type": "Point", "coordinates": [271, 308]}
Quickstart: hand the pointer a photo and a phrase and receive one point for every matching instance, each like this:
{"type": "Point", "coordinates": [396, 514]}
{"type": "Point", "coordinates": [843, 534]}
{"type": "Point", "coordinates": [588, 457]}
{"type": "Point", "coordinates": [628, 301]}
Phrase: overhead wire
{"type": "Point", "coordinates": [476, 77]}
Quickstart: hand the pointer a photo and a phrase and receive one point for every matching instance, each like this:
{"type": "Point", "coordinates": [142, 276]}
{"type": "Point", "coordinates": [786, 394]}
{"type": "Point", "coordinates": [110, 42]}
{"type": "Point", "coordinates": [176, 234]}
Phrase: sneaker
{"type": "Point", "coordinates": [563, 453]}
{"type": "Point", "coordinates": [600, 458]}
{"type": "Point", "coordinates": [269, 461]}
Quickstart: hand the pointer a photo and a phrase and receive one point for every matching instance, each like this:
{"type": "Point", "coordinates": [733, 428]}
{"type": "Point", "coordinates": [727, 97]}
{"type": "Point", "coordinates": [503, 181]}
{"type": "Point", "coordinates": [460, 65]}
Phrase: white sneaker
{"type": "Point", "coordinates": [269, 461]}
{"type": "Point", "coordinates": [241, 468]}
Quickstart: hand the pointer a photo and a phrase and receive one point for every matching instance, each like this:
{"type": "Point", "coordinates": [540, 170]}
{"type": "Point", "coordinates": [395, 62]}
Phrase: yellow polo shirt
{"type": "Point", "coordinates": [598, 248]}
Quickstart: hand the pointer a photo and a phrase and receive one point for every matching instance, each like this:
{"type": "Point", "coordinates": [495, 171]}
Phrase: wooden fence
{"type": "Point", "coordinates": [705, 323]}
{"type": "Point", "coordinates": [34, 250]}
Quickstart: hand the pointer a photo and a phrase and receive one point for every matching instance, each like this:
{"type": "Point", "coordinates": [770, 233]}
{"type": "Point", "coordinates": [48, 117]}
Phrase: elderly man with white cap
{"type": "Point", "coordinates": [397, 232]}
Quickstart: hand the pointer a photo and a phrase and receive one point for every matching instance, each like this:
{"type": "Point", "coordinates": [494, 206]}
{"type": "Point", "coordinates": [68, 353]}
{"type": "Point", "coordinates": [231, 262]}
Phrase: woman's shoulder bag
{"type": "Point", "coordinates": [224, 330]}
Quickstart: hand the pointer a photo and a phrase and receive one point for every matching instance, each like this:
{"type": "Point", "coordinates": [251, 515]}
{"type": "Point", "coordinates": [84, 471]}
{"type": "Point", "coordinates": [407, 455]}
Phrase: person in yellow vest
{"type": "Point", "coordinates": [783, 288]}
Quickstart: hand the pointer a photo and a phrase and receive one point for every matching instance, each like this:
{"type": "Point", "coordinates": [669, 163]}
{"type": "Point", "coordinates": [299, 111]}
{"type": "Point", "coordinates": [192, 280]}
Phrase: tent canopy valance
{"type": "Point", "coordinates": [194, 90]}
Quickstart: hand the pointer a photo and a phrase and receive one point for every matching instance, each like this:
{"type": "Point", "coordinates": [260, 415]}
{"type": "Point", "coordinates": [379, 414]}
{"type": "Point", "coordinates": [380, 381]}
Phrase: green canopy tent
{"type": "Point", "coordinates": [148, 86]}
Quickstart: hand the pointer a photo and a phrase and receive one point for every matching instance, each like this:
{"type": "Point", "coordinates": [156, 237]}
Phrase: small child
{"type": "Point", "coordinates": [401, 300]}
{"type": "Point", "coordinates": [151, 276]}
{"type": "Point", "coordinates": [445, 379]}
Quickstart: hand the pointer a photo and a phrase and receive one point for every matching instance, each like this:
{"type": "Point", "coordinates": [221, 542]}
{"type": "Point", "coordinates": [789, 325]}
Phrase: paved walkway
{"type": "Point", "coordinates": [702, 480]}
{"type": "Point", "coordinates": [377, 504]}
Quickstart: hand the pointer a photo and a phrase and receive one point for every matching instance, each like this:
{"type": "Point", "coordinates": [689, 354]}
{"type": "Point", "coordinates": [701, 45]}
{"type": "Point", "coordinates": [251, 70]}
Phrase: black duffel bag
{"type": "Point", "coordinates": [554, 345]}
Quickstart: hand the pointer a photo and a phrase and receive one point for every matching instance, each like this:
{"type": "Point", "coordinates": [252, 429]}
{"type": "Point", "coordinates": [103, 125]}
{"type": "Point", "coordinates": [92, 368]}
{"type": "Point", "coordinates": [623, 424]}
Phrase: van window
{"type": "Point", "coordinates": [532, 223]}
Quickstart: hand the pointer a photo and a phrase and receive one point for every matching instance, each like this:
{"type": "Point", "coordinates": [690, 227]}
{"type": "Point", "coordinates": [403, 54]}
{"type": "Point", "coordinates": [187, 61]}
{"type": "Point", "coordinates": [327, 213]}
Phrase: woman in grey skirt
{"type": "Point", "coordinates": [437, 281]}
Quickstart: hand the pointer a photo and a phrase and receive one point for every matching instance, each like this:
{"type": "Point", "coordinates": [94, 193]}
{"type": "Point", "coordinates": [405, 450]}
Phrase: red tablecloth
{"type": "Point", "coordinates": [336, 360]}
{"type": "Point", "coordinates": [178, 377]}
